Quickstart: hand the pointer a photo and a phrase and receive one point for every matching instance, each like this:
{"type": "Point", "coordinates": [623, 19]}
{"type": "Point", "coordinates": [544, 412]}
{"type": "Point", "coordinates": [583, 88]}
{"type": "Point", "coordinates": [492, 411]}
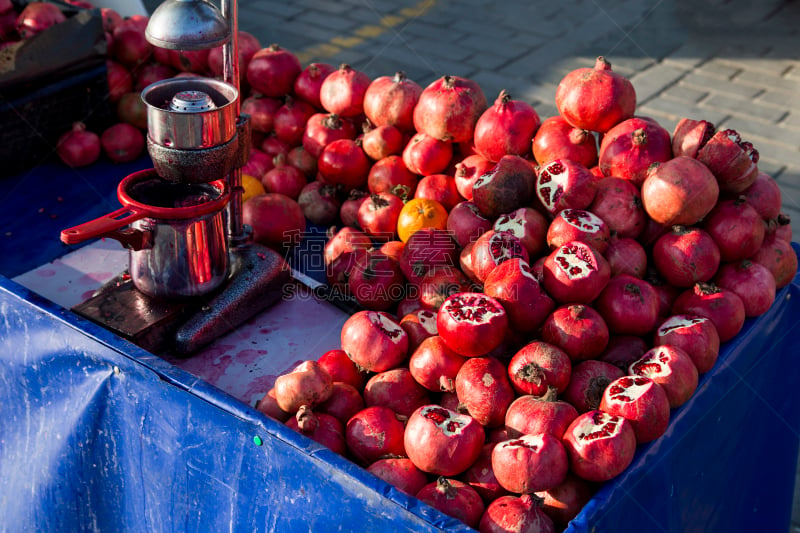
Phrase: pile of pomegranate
{"type": "Point", "coordinates": [555, 293]}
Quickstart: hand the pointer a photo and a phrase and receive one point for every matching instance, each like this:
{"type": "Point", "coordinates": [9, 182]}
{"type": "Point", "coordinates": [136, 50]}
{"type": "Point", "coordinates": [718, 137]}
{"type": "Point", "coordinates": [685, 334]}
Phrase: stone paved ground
{"type": "Point", "coordinates": [733, 62]}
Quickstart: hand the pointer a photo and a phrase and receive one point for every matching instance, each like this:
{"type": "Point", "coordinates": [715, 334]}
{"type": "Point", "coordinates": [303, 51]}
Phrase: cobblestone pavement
{"type": "Point", "coordinates": [733, 62]}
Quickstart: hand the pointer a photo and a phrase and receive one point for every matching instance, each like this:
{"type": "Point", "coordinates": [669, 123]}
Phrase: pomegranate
{"type": "Point", "coordinates": [722, 306]}
{"type": "Point", "coordinates": [374, 433]}
{"type": "Point", "coordinates": [515, 286]}
{"type": "Point", "coordinates": [149, 73]}
{"type": "Point", "coordinates": [454, 498]}
{"type": "Point", "coordinates": [425, 249]}
{"type": "Point", "coordinates": [672, 369]}
{"type": "Point", "coordinates": [537, 367]}
{"type": "Point", "coordinates": [686, 255]}
{"type": "Point", "coordinates": [374, 340]}
{"type": "Point", "coordinates": [343, 162]}
{"type": "Point", "coordinates": [376, 281]}
{"type": "Point", "coordinates": [778, 256]}
{"type": "Point", "coordinates": [277, 220]}
{"type": "Point", "coordinates": [342, 368]}
{"type": "Point", "coordinates": [642, 402]}
{"type": "Point", "coordinates": [132, 109]}
{"type": "Point", "coordinates": [78, 147]}
{"type": "Point", "coordinates": [441, 188]}
{"type": "Point", "coordinates": [493, 249]}
{"type": "Point", "coordinates": [308, 83]}
{"type": "Point", "coordinates": [600, 446]}
{"type": "Point", "coordinates": [465, 262]}
{"type": "Point", "coordinates": [506, 128]}
{"type": "Point", "coordinates": [129, 45]}
{"type": "Point", "coordinates": [272, 71]}
{"type": "Point", "coordinates": [578, 225]}
{"type": "Point", "coordinates": [443, 442]}
{"type": "Point", "coordinates": [258, 164]}
{"type": "Point", "coordinates": [622, 350]}
{"type": "Point", "coordinates": [322, 129]}
{"type": "Point", "coordinates": [626, 256]}
{"type": "Point", "coordinates": [563, 502]}
{"type": "Point", "coordinates": [290, 120]}
{"type": "Point", "coordinates": [512, 513]}
{"type": "Point", "coordinates": [530, 415]}
{"type": "Point", "coordinates": [750, 281]}
{"type": "Point", "coordinates": [509, 185]}
{"type": "Point", "coordinates": [468, 170]}
{"type": "Point", "coordinates": [396, 389]}
{"type": "Point", "coordinates": [419, 325]}
{"type": "Point", "coordinates": [449, 108]}
{"type": "Point", "coordinates": [466, 223]}
{"type": "Point", "coordinates": [191, 61]}
{"type": "Point", "coordinates": [378, 216]}
{"type": "Point", "coordinates": [480, 476]}
{"type": "Point", "coordinates": [695, 335]}
{"type": "Point", "coordinates": [342, 91]}
{"type": "Point", "coordinates": [781, 227]}
{"type": "Point", "coordinates": [632, 146]}
{"type": "Point", "coordinates": [577, 329]}
{"type": "Point", "coordinates": [307, 384]}
{"type": "Point", "coordinates": [425, 155]}
{"type": "Point", "coordinates": [399, 472]}
{"type": "Point", "coordinates": [690, 135]}
{"type": "Point", "coordinates": [344, 240]}
{"type": "Point", "coordinates": [439, 283]}
{"type": "Point", "coordinates": [765, 196]}
{"type": "Point", "coordinates": [530, 463]}
{"type": "Point", "coordinates": [319, 202]}
{"type": "Point", "coordinates": [737, 229]}
{"type": "Point", "coordinates": [575, 273]}
{"type": "Point", "coordinates": [272, 146]}
{"type": "Point", "coordinates": [435, 366]}
{"type": "Point", "coordinates": [595, 99]}
{"type": "Point", "coordinates": [391, 175]}
{"type": "Point", "coordinates": [528, 225]}
{"type": "Point", "coordinates": [268, 405]}
{"type": "Point", "coordinates": [628, 305]}
{"type": "Point", "coordinates": [564, 184]}
{"type": "Point", "coordinates": [679, 191]}
{"type": "Point", "coordinates": [248, 46]}
{"type": "Point", "coordinates": [284, 179]}
{"type": "Point", "coordinates": [343, 403]}
{"type": "Point", "coordinates": [319, 427]}
{"type": "Point", "coordinates": [588, 382]}
{"type": "Point", "coordinates": [618, 203]}
{"type": "Point", "coordinates": [348, 212]}
{"type": "Point", "coordinates": [390, 101]}
{"type": "Point", "coordinates": [732, 160]}
{"type": "Point", "coordinates": [382, 141]}
{"type": "Point", "coordinates": [122, 142]}
{"type": "Point", "coordinates": [558, 139]}
{"type": "Point", "coordinates": [120, 80]}
{"type": "Point", "coordinates": [484, 390]}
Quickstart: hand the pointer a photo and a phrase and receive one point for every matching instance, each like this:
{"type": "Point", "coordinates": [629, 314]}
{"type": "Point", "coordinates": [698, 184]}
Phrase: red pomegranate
{"type": "Point", "coordinates": [515, 513]}
{"type": "Point", "coordinates": [493, 249]}
{"type": "Point", "coordinates": [750, 281]}
{"type": "Point", "coordinates": [558, 139]}
{"type": "Point", "coordinates": [343, 403]}
{"type": "Point", "coordinates": [690, 135]}
{"type": "Point", "coordinates": [672, 369]}
{"type": "Point", "coordinates": [435, 366]}
{"type": "Point", "coordinates": [425, 155]}
{"type": "Point", "coordinates": [679, 191]}
{"type": "Point", "coordinates": [779, 257]}
{"type": "Point", "coordinates": [529, 415]}
{"type": "Point", "coordinates": [390, 174]}
{"type": "Point", "coordinates": [120, 80]}
{"type": "Point", "coordinates": [737, 229]}
{"type": "Point", "coordinates": [307, 384]}
{"type": "Point", "coordinates": [686, 255]}
{"type": "Point", "coordinates": [695, 335]}
{"type": "Point", "coordinates": [319, 427]}
{"type": "Point", "coordinates": [578, 225]}
{"type": "Point", "coordinates": [575, 273]}
{"type": "Point", "coordinates": [342, 91]}
{"type": "Point", "coordinates": [374, 433]}
{"type": "Point", "coordinates": [268, 405]}
{"type": "Point", "coordinates": [622, 350]}
{"type": "Point", "coordinates": [723, 307]}
{"type": "Point", "coordinates": [467, 172]}
{"type": "Point", "coordinates": [319, 202]}
{"type": "Point", "coordinates": [308, 83]}
{"type": "Point", "coordinates": [376, 281]}
{"type": "Point", "coordinates": [600, 446]}
{"type": "Point", "coordinates": [122, 142]}
{"type": "Point", "coordinates": [515, 286]}
{"type": "Point", "coordinates": [342, 368]}
{"type": "Point", "coordinates": [284, 178]}
{"type": "Point", "coordinates": [528, 225]}
{"type": "Point", "coordinates": [248, 46]}
{"type": "Point", "coordinates": [506, 128]}
{"type": "Point", "coordinates": [454, 498]}
{"type": "Point", "coordinates": [577, 329]}
{"type": "Point", "coordinates": [382, 141]}
{"type": "Point", "coordinates": [595, 99]}
{"type": "Point", "coordinates": [439, 187]}
{"type": "Point", "coordinates": [632, 146]}
{"type": "Point", "coordinates": [425, 249]}
{"type": "Point", "coordinates": [449, 108]}
{"type": "Point", "coordinates": [466, 223]}
{"type": "Point", "coordinates": [509, 185]}
{"type": "Point", "coordinates": [765, 196]}
{"type": "Point", "coordinates": [626, 256]}
{"type": "Point", "coordinates": [343, 163]}
{"type": "Point", "coordinates": [378, 216]}
{"type": "Point", "coordinates": [322, 129]}
{"type": "Point", "coordinates": [537, 366]}
{"type": "Point", "coordinates": [374, 340]}
{"type": "Point", "coordinates": [618, 203]}
{"type": "Point", "coordinates": [564, 184]}
{"type": "Point", "coordinates": [629, 305]}
{"type": "Point", "coordinates": [472, 324]}
{"type": "Point", "coordinates": [390, 101]}
{"type": "Point", "coordinates": [442, 442]}
{"type": "Point", "coordinates": [642, 402]}
{"type": "Point", "coordinates": [396, 389]}
{"type": "Point", "coordinates": [480, 476]}
{"type": "Point", "coordinates": [588, 382]}
{"type": "Point", "coordinates": [484, 390]}
{"type": "Point", "coordinates": [399, 472]}
{"type": "Point", "coordinates": [564, 502]}
{"type": "Point", "coordinates": [732, 160]}
{"type": "Point", "coordinates": [273, 70]}
{"type": "Point", "coordinates": [277, 220]}
{"type": "Point", "coordinates": [290, 120]}
{"type": "Point", "coordinates": [78, 147]}
{"type": "Point", "coordinates": [530, 463]}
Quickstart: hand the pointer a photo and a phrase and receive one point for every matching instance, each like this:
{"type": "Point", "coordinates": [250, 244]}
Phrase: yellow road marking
{"type": "Point", "coordinates": [321, 51]}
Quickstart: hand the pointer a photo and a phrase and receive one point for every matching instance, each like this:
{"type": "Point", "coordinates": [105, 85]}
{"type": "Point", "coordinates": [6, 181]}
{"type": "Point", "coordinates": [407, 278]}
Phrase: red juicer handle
{"type": "Point", "coordinates": [104, 226]}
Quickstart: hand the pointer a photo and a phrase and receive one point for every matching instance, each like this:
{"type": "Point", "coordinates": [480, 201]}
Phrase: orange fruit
{"type": "Point", "coordinates": [251, 186]}
{"type": "Point", "coordinates": [420, 213]}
